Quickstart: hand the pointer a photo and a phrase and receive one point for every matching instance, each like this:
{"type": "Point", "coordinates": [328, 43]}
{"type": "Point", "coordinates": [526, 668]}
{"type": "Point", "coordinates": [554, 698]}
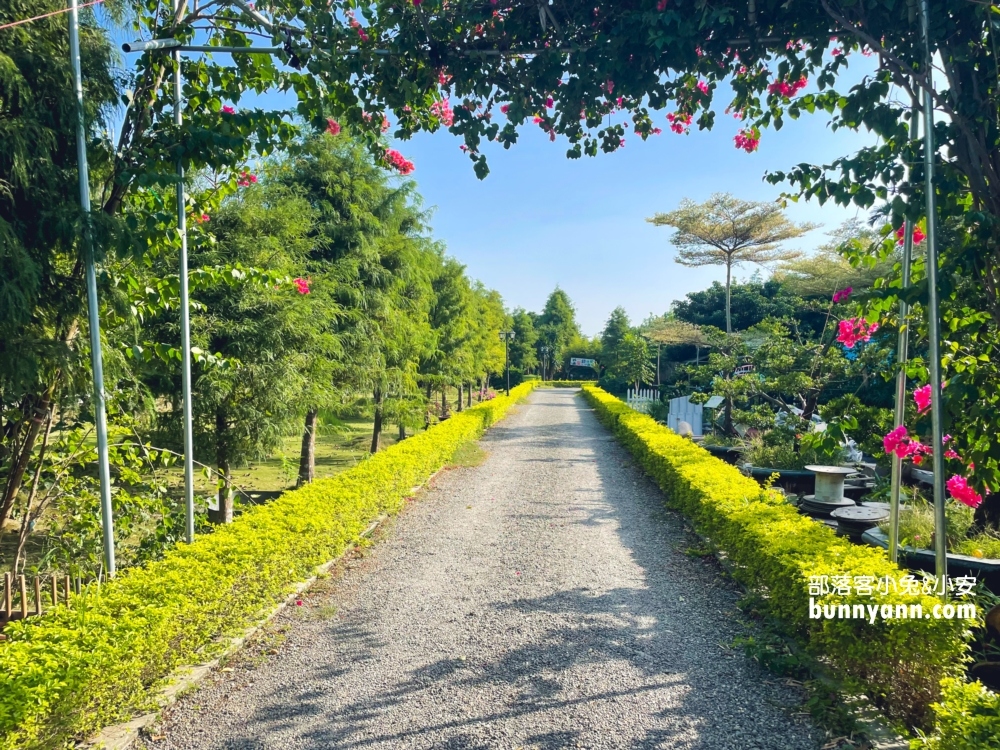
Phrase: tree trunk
{"type": "Point", "coordinates": [459, 397]}
{"type": "Point", "coordinates": [307, 458]}
{"type": "Point", "coordinates": [468, 395]}
{"type": "Point", "coordinates": [658, 365]}
{"type": "Point", "coordinates": [402, 432]}
{"type": "Point", "coordinates": [444, 402]}
{"type": "Point", "coordinates": [729, 276]}
{"type": "Point", "coordinates": [727, 425]}
{"type": "Point", "coordinates": [377, 427]}
{"type": "Point", "coordinates": [222, 461]}
{"type": "Point", "coordinates": [35, 409]}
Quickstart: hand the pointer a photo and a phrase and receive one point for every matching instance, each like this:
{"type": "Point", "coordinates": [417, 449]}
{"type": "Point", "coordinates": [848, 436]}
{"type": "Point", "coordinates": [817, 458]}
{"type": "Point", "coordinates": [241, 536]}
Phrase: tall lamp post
{"type": "Point", "coordinates": [506, 337]}
{"type": "Point", "coordinates": [545, 360]}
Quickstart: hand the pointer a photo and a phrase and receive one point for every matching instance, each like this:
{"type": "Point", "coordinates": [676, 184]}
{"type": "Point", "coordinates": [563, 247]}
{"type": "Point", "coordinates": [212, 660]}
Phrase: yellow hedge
{"type": "Point", "coordinates": [97, 663]}
{"type": "Point", "coordinates": [774, 551]}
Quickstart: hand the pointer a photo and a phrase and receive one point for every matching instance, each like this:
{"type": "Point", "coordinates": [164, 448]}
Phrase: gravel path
{"type": "Point", "coordinates": [539, 600]}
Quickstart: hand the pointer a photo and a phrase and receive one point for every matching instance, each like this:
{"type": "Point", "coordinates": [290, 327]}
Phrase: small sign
{"type": "Point", "coordinates": [714, 402]}
{"type": "Point", "coordinates": [579, 362]}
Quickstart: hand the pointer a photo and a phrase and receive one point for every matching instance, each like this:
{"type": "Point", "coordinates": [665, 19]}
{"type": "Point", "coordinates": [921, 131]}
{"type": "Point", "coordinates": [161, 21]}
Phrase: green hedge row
{"type": "Point", "coordinates": [568, 383]}
{"type": "Point", "coordinates": [98, 662]}
{"type": "Point", "coordinates": [774, 551]}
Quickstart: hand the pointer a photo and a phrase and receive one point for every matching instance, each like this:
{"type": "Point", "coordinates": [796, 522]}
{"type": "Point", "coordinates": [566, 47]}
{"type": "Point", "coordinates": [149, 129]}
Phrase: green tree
{"type": "Point", "coordinates": [43, 351]}
{"type": "Point", "coordinates": [556, 324]}
{"type": "Point", "coordinates": [615, 330]}
{"type": "Point", "coordinates": [727, 231]}
{"type": "Point", "coordinates": [524, 347]}
{"type": "Point", "coordinates": [632, 361]}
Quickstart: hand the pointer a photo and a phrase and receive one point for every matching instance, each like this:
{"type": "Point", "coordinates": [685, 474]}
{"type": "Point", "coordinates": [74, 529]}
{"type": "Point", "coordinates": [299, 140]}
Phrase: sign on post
{"type": "Point", "coordinates": [580, 362]}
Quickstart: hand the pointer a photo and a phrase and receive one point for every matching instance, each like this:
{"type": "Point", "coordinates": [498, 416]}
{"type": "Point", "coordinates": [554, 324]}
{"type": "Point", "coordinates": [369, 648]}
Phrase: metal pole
{"type": "Point", "coordinates": [933, 319]}
{"type": "Point", "coordinates": [96, 362]}
{"type": "Point", "coordinates": [506, 348]}
{"type": "Point", "coordinates": [185, 311]}
{"type": "Point", "coordinates": [902, 354]}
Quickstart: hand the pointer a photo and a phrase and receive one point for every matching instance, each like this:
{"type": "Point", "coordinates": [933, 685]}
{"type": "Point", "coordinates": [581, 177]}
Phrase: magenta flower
{"type": "Point", "coordinates": [952, 454]}
{"type": "Point", "coordinates": [703, 87]}
{"type": "Point", "coordinates": [398, 162]}
{"type": "Point", "coordinates": [246, 179]}
{"type": "Point", "coordinates": [853, 330]}
{"type": "Point", "coordinates": [893, 440]}
{"type": "Point", "coordinates": [442, 111]}
{"type": "Point", "coordinates": [505, 108]}
{"type": "Point", "coordinates": [747, 140]}
{"type": "Point", "coordinates": [229, 110]}
{"type": "Point", "coordinates": [918, 235]}
{"type": "Point", "coordinates": [301, 286]}
{"type": "Point", "coordinates": [662, 5]}
{"type": "Point", "coordinates": [923, 397]}
{"type": "Point", "coordinates": [550, 103]}
{"type": "Point", "coordinates": [842, 294]}
{"type": "Point", "coordinates": [958, 488]}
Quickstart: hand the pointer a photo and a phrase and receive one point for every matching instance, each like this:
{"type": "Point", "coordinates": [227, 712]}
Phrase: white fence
{"type": "Point", "coordinates": [642, 399]}
{"type": "Point", "coordinates": [682, 410]}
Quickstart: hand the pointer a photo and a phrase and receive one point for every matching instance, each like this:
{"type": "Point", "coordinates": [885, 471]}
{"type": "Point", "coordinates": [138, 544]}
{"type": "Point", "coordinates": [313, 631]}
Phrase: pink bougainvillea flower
{"type": "Point", "coordinates": [837, 52]}
{"type": "Point", "coordinates": [505, 108]}
{"type": "Point", "coordinates": [952, 455]}
{"type": "Point", "coordinates": [229, 110]}
{"type": "Point", "coordinates": [332, 126]}
{"type": "Point", "coordinates": [853, 330]}
{"type": "Point", "coordinates": [398, 162]}
{"type": "Point", "coordinates": [301, 286]}
{"type": "Point", "coordinates": [298, 602]}
{"type": "Point", "coordinates": [246, 179]}
{"type": "Point", "coordinates": [661, 5]}
{"type": "Point", "coordinates": [442, 111]}
{"type": "Point", "coordinates": [958, 488]}
{"type": "Point", "coordinates": [786, 88]}
{"type": "Point", "coordinates": [923, 397]}
{"type": "Point", "coordinates": [841, 294]}
{"type": "Point", "coordinates": [549, 103]}
{"type": "Point", "coordinates": [892, 441]}
{"type": "Point", "coordinates": [918, 235]}
{"type": "Point", "coordinates": [747, 140]}
{"type": "Point", "coordinates": [680, 122]}
{"type": "Point", "coordinates": [703, 87]}
{"type": "Point", "coordinates": [609, 86]}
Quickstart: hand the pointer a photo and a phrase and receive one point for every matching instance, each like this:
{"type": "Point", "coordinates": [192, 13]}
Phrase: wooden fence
{"type": "Point", "coordinates": [22, 597]}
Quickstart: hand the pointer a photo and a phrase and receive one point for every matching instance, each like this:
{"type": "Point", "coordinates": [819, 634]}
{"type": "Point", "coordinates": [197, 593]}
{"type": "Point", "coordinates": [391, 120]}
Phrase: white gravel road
{"type": "Point", "coordinates": [540, 600]}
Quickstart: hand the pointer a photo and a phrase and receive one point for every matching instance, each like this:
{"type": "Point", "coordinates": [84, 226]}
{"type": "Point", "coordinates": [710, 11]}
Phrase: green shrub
{"type": "Point", "coordinates": [967, 718]}
{"type": "Point", "coordinates": [567, 383]}
{"type": "Point", "coordinates": [97, 662]}
{"type": "Point", "coordinates": [773, 551]}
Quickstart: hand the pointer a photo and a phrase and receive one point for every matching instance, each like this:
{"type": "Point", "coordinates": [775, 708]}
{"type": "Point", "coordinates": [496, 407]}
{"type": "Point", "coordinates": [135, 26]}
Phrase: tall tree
{"type": "Point", "coordinates": [615, 330]}
{"type": "Point", "coordinates": [42, 349]}
{"type": "Point", "coordinates": [524, 347]}
{"type": "Point", "coordinates": [669, 331]}
{"type": "Point", "coordinates": [556, 324]}
{"type": "Point", "coordinates": [727, 231]}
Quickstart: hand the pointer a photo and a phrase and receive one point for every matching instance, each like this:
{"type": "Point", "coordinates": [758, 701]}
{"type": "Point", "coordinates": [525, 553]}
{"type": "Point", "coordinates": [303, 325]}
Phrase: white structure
{"type": "Point", "coordinates": [642, 399]}
{"type": "Point", "coordinates": [682, 410]}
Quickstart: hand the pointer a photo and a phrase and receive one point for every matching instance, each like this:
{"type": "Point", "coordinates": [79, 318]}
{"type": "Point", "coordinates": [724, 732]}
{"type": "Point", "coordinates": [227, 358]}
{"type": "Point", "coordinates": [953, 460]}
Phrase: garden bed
{"type": "Point", "coordinates": [93, 664]}
{"type": "Point", "coordinates": [775, 552]}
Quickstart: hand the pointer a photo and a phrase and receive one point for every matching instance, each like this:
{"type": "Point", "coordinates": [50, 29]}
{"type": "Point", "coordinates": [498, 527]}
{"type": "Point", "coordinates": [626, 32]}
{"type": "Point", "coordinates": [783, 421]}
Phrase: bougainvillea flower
{"type": "Point", "coordinates": [332, 126]}
{"type": "Point", "coordinates": [301, 286]}
{"type": "Point", "coordinates": [246, 179]}
{"type": "Point", "coordinates": [787, 89]}
{"type": "Point", "coordinates": [918, 235]}
{"type": "Point", "coordinates": [442, 111]}
{"type": "Point", "coordinates": [958, 488]}
{"type": "Point", "coordinates": [747, 140]}
{"type": "Point", "coordinates": [703, 86]}
{"type": "Point", "coordinates": [841, 294]}
{"type": "Point", "coordinates": [892, 441]}
{"type": "Point", "coordinates": [505, 108]}
{"type": "Point", "coordinates": [662, 5]}
{"type": "Point", "coordinates": [952, 455]}
{"type": "Point", "coordinates": [853, 330]}
{"type": "Point", "coordinates": [229, 110]}
{"type": "Point", "coordinates": [398, 162]}
{"type": "Point", "coordinates": [923, 397]}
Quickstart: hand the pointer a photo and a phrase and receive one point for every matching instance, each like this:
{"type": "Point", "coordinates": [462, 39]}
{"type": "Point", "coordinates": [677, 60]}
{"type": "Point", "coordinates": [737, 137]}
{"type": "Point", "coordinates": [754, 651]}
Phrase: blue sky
{"type": "Point", "coordinates": [540, 220]}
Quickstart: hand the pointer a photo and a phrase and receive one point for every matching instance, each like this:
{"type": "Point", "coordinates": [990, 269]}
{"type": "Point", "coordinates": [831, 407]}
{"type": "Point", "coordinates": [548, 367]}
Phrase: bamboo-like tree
{"type": "Point", "coordinates": [727, 231]}
{"type": "Point", "coordinates": [667, 331]}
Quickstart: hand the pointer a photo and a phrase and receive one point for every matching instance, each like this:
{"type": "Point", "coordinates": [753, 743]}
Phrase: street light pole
{"type": "Point", "coordinates": [506, 337]}
{"type": "Point", "coordinates": [96, 360]}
